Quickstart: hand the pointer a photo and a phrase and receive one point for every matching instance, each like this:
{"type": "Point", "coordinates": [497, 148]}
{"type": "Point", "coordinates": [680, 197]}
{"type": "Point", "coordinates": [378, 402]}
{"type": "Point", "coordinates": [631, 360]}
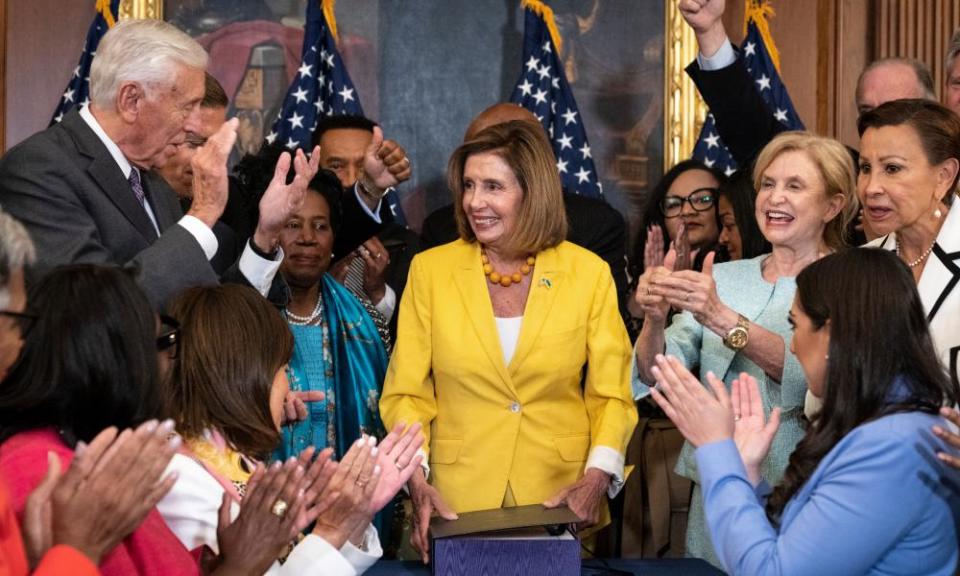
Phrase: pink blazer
{"type": "Point", "coordinates": [150, 550]}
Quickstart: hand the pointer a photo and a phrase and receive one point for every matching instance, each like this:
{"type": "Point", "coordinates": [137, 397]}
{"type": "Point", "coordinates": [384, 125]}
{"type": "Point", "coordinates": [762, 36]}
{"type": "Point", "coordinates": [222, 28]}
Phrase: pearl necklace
{"type": "Point", "coordinates": [505, 280]}
{"type": "Point", "coordinates": [922, 257]}
{"type": "Point", "coordinates": [305, 320]}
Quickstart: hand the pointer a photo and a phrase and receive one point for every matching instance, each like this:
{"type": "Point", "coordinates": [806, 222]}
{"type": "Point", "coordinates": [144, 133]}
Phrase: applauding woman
{"type": "Point", "coordinates": [226, 389]}
{"type": "Point", "coordinates": [734, 314]}
{"type": "Point", "coordinates": [510, 349]}
{"type": "Point", "coordinates": [863, 493]}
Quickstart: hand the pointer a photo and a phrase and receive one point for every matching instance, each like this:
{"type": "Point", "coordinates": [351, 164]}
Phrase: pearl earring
{"type": "Point", "coordinates": [937, 214]}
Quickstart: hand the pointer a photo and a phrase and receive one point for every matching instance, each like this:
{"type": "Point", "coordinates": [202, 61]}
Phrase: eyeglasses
{"type": "Point", "coordinates": [23, 320]}
{"type": "Point", "coordinates": [169, 336]}
{"type": "Point", "coordinates": [701, 200]}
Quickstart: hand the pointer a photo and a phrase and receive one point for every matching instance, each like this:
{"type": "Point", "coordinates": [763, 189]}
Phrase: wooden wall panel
{"type": "Point", "coordinates": [918, 29]}
{"type": "Point", "coordinates": [43, 43]}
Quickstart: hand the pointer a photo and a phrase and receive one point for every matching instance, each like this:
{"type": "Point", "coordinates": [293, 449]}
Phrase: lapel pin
{"type": "Point", "coordinates": [545, 282]}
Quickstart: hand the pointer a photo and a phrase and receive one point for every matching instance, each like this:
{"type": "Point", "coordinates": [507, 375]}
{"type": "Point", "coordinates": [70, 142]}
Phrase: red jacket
{"type": "Point", "coordinates": [151, 550]}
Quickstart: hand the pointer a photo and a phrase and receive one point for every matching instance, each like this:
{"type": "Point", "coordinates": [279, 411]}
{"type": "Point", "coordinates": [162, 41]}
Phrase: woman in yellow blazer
{"type": "Point", "coordinates": [510, 349]}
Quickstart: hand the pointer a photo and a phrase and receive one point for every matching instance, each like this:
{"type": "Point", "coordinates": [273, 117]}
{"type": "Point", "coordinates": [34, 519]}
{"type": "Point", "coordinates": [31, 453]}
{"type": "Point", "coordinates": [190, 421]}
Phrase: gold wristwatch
{"type": "Point", "coordinates": [738, 336]}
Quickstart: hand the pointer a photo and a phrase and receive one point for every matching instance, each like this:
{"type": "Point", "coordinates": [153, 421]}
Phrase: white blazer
{"type": "Point", "coordinates": [939, 288]}
{"type": "Point", "coordinates": [191, 510]}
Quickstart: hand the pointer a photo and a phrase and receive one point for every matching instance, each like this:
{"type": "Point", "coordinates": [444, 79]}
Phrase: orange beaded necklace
{"type": "Point", "coordinates": [505, 280]}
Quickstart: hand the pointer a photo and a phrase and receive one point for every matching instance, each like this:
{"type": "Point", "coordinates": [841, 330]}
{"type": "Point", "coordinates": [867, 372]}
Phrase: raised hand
{"type": "Point", "coordinates": [282, 200]}
{"type": "Point", "coordinates": [705, 17]}
{"type": "Point", "coordinates": [700, 416]}
{"type": "Point", "coordinates": [385, 164]}
{"type": "Point", "coordinates": [210, 182]}
{"type": "Point", "coordinates": [376, 258]}
{"type": "Point", "coordinates": [752, 433]}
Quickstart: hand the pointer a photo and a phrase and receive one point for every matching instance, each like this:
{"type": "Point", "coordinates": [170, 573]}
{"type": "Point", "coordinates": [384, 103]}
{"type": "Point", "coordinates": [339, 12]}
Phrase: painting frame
{"type": "Point", "coordinates": [683, 110]}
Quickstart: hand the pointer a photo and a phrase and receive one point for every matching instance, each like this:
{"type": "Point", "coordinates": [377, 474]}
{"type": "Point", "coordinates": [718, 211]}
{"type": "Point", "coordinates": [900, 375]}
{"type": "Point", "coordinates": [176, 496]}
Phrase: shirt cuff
{"type": "Point", "coordinates": [313, 552]}
{"type": "Point", "coordinates": [718, 459]}
{"type": "Point", "coordinates": [204, 235]}
{"type": "Point", "coordinates": [259, 271]}
{"type": "Point", "coordinates": [724, 57]}
{"type": "Point", "coordinates": [374, 215]}
{"type": "Point", "coordinates": [424, 465]}
{"type": "Point", "coordinates": [608, 460]}
{"type": "Point", "coordinates": [388, 303]}
{"type": "Point", "coordinates": [367, 554]}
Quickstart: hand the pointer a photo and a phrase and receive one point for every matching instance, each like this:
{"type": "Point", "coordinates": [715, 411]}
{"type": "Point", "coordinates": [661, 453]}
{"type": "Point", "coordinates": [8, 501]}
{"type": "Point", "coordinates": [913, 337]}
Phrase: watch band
{"type": "Point", "coordinates": [739, 335]}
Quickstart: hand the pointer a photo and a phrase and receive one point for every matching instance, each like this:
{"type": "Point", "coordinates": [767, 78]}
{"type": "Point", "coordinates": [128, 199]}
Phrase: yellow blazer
{"type": "Point", "coordinates": [533, 423]}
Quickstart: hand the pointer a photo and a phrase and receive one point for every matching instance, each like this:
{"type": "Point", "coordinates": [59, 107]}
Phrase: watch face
{"type": "Point", "coordinates": [737, 338]}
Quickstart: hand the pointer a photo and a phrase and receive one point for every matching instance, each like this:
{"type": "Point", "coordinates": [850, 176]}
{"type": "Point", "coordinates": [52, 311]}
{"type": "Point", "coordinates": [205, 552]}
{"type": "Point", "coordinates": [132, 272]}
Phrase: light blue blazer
{"type": "Point", "coordinates": [741, 286]}
{"type": "Point", "coordinates": [880, 502]}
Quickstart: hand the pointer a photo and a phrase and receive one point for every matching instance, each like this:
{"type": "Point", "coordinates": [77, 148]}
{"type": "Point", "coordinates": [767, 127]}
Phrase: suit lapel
{"type": "Point", "coordinates": [103, 169]}
{"type": "Point", "coordinates": [546, 283]}
{"type": "Point", "coordinates": [471, 284]}
{"type": "Point", "coordinates": [941, 275]}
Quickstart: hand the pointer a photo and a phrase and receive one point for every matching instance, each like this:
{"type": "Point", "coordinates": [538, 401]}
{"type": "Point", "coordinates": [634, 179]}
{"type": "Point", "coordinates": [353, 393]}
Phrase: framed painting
{"type": "Point", "coordinates": [423, 69]}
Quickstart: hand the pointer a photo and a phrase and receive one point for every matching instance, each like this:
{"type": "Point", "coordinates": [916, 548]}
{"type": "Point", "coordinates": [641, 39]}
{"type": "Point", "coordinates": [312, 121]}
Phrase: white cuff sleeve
{"type": "Point", "coordinates": [724, 57]}
{"type": "Point", "coordinates": [608, 460]}
{"type": "Point", "coordinates": [388, 303]}
{"type": "Point", "coordinates": [204, 235]}
{"type": "Point", "coordinates": [259, 271]}
{"type": "Point", "coordinates": [424, 465]}
{"type": "Point", "coordinates": [375, 214]}
{"type": "Point", "coordinates": [315, 556]}
{"type": "Point", "coordinates": [367, 554]}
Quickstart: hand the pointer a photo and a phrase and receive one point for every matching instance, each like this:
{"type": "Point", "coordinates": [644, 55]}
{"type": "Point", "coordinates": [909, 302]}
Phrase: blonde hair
{"type": "Point", "coordinates": [542, 221]}
{"type": "Point", "coordinates": [836, 171]}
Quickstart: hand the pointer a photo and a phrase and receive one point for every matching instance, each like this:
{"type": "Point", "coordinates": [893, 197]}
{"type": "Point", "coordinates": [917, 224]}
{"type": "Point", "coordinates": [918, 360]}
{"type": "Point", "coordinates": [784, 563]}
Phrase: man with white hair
{"type": "Point", "coordinates": [16, 252]}
{"type": "Point", "coordinates": [86, 191]}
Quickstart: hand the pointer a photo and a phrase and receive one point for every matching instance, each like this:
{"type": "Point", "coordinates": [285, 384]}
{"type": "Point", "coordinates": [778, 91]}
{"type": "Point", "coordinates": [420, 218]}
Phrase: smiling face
{"type": "Point", "coordinates": [307, 242]}
{"type": "Point", "coordinates": [810, 345]}
{"type": "Point", "coordinates": [492, 197]}
{"type": "Point", "coordinates": [897, 185]}
{"type": "Point", "coordinates": [793, 206]}
{"type": "Point", "coordinates": [342, 151]}
{"type": "Point", "coordinates": [701, 226]}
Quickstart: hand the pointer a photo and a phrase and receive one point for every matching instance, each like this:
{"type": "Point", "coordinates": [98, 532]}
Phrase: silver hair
{"type": "Point", "coordinates": [953, 50]}
{"type": "Point", "coordinates": [16, 251]}
{"type": "Point", "coordinates": [143, 51]}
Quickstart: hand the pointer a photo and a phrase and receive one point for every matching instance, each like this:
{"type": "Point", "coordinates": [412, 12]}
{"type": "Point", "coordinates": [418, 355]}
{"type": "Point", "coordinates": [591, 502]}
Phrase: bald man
{"type": "Point", "coordinates": [593, 224]}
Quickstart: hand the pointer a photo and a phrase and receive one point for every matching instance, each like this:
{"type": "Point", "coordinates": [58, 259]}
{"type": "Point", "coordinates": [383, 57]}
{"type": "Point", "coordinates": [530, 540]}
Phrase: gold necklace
{"type": "Point", "coordinates": [505, 280]}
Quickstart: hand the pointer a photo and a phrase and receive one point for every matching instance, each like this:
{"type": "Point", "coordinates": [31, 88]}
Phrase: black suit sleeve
{"type": "Point", "coordinates": [743, 120]}
{"type": "Point", "coordinates": [439, 227]}
{"type": "Point", "coordinates": [357, 225]}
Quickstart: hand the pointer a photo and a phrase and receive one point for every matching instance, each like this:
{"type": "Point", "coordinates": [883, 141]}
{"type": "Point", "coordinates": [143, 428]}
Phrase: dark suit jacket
{"type": "Point", "coordinates": [593, 224]}
{"type": "Point", "coordinates": [64, 186]}
{"type": "Point", "coordinates": [744, 121]}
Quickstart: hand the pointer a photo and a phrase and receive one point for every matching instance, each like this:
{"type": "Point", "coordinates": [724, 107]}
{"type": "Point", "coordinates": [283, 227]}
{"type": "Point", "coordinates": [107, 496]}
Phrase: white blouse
{"type": "Point", "coordinates": [191, 510]}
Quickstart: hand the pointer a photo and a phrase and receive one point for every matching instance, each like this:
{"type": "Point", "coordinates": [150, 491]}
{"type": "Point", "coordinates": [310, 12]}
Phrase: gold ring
{"type": "Point", "coordinates": [376, 256]}
{"type": "Point", "coordinates": [279, 508]}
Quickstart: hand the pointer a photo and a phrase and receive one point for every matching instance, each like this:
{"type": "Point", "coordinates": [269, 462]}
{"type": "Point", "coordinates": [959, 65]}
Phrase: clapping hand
{"type": "Point", "coordinates": [700, 416]}
{"type": "Point", "coordinates": [752, 433]}
{"type": "Point", "coordinates": [949, 437]}
{"type": "Point", "coordinates": [210, 182]}
{"type": "Point", "coordinates": [398, 459]}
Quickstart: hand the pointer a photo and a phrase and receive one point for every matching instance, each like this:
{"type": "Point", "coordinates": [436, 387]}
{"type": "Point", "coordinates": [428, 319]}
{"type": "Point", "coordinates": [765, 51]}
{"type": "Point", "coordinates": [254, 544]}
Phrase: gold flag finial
{"type": "Point", "coordinates": [545, 12]}
{"type": "Point", "coordinates": [759, 11]}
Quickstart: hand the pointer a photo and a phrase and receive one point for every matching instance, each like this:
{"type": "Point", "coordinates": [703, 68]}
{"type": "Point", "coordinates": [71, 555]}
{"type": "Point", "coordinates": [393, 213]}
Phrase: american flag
{"type": "Point", "coordinates": [78, 88]}
{"type": "Point", "coordinates": [543, 89]}
{"type": "Point", "coordinates": [321, 87]}
{"type": "Point", "coordinates": [709, 148]}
